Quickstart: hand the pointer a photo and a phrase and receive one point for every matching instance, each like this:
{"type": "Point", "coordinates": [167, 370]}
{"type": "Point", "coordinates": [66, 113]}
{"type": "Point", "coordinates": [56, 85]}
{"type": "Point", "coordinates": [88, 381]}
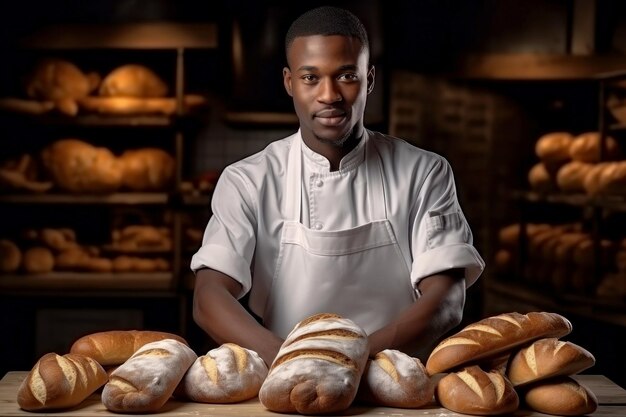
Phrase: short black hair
{"type": "Point", "coordinates": [327, 21]}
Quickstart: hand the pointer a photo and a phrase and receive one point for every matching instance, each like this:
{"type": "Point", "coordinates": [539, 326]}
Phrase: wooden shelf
{"type": "Point", "coordinates": [601, 309]}
{"type": "Point", "coordinates": [615, 202]}
{"type": "Point", "coordinates": [116, 198]}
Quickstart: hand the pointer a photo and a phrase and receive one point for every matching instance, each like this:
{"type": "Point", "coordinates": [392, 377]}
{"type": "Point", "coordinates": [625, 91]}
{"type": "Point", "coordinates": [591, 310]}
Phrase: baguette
{"type": "Point", "coordinates": [227, 374]}
{"type": "Point", "coordinates": [547, 358]}
{"type": "Point", "coordinates": [148, 379]}
{"type": "Point", "coordinates": [395, 379]}
{"type": "Point", "coordinates": [474, 391]}
{"type": "Point", "coordinates": [59, 382]}
{"type": "Point", "coordinates": [493, 336]}
{"type": "Point", "coordinates": [116, 346]}
{"type": "Point", "coordinates": [318, 367]}
{"type": "Point", "coordinates": [562, 396]}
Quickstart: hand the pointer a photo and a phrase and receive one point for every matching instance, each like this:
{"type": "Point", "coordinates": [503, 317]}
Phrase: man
{"type": "Point", "coordinates": [334, 218]}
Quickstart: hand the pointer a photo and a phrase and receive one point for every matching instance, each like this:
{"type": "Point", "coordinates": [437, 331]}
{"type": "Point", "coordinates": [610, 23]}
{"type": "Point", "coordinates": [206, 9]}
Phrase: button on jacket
{"type": "Point", "coordinates": [417, 196]}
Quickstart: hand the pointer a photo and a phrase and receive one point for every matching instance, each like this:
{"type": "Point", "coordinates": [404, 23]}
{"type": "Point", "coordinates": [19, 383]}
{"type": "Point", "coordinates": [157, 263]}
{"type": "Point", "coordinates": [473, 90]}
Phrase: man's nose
{"type": "Point", "coordinates": [328, 92]}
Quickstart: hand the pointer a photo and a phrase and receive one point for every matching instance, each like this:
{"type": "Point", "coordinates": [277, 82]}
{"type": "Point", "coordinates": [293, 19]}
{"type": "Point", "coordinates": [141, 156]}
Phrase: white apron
{"type": "Point", "coordinates": [359, 273]}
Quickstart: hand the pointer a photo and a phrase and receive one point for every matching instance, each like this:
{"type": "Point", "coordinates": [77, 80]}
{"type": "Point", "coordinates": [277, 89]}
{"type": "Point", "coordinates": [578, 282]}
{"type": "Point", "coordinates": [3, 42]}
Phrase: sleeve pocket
{"type": "Point", "coordinates": [446, 229]}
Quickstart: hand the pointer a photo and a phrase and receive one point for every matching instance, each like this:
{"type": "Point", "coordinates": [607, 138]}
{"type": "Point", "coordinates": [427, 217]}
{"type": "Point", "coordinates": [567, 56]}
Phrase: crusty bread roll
{"type": "Point", "coordinates": [77, 166]}
{"type": "Point", "coordinates": [547, 358]}
{"type": "Point", "coordinates": [58, 382]}
{"type": "Point", "coordinates": [318, 367]}
{"type": "Point", "coordinates": [561, 396]}
{"type": "Point", "coordinates": [148, 379]}
{"type": "Point", "coordinates": [492, 336]}
{"type": "Point", "coordinates": [571, 176]}
{"type": "Point", "coordinates": [612, 179]}
{"type": "Point", "coordinates": [38, 260]}
{"type": "Point", "coordinates": [395, 379]}
{"type": "Point", "coordinates": [540, 179]}
{"type": "Point", "coordinates": [474, 391]}
{"type": "Point", "coordinates": [10, 256]}
{"type": "Point", "coordinates": [116, 346]}
{"type": "Point", "coordinates": [133, 80]}
{"type": "Point", "coordinates": [227, 374]}
{"type": "Point", "coordinates": [147, 169]}
{"type": "Point", "coordinates": [553, 148]}
{"type": "Point", "coordinates": [586, 148]}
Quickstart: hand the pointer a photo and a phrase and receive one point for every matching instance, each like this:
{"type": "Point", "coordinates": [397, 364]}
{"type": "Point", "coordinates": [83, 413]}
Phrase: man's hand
{"type": "Point", "coordinates": [217, 311]}
{"type": "Point", "coordinates": [435, 312]}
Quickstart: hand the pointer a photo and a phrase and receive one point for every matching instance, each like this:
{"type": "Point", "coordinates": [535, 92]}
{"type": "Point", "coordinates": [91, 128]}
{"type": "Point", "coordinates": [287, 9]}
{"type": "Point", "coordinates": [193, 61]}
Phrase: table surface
{"type": "Point", "coordinates": [611, 399]}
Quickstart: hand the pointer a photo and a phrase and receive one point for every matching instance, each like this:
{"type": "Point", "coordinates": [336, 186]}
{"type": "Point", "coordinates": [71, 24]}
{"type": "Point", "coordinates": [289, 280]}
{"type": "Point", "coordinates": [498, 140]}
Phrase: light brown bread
{"type": "Point", "coordinates": [227, 374]}
{"type": "Point", "coordinates": [395, 379]}
{"type": "Point", "coordinates": [547, 358]}
{"type": "Point", "coordinates": [318, 367]}
{"type": "Point", "coordinates": [494, 335]}
{"type": "Point", "coordinates": [59, 382]}
{"type": "Point", "coordinates": [561, 396]}
{"type": "Point", "coordinates": [148, 379]}
{"type": "Point", "coordinates": [116, 346]}
{"type": "Point", "coordinates": [474, 391]}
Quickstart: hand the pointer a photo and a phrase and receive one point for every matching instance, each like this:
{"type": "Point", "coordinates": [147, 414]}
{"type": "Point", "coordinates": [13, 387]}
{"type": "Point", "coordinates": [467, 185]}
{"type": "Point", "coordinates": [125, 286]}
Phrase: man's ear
{"type": "Point", "coordinates": [287, 80]}
{"type": "Point", "coordinates": [371, 77]}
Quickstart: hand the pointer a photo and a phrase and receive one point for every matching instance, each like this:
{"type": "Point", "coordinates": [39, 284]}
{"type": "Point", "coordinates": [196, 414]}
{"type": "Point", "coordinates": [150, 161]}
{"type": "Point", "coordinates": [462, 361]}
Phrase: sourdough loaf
{"type": "Point", "coordinates": [318, 367]}
{"type": "Point", "coordinates": [133, 80]}
{"type": "Point", "coordinates": [562, 396]}
{"type": "Point", "coordinates": [114, 347]}
{"type": "Point", "coordinates": [494, 335]}
{"type": "Point", "coordinates": [547, 358]}
{"type": "Point", "coordinates": [474, 391]}
{"type": "Point", "coordinates": [227, 374]}
{"type": "Point", "coordinates": [395, 379]}
{"type": "Point", "coordinates": [148, 379]}
{"type": "Point", "coordinates": [58, 382]}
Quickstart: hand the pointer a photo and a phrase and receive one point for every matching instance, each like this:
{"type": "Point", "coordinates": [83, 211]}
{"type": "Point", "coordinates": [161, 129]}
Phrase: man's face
{"type": "Point", "coordinates": [329, 79]}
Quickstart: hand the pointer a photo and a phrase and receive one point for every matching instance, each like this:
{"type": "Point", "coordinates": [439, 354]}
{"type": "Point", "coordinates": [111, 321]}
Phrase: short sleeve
{"type": "Point", "coordinates": [441, 237]}
{"type": "Point", "coordinates": [229, 239]}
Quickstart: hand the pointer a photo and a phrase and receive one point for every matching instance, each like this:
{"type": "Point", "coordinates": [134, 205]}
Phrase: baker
{"type": "Point", "coordinates": [334, 218]}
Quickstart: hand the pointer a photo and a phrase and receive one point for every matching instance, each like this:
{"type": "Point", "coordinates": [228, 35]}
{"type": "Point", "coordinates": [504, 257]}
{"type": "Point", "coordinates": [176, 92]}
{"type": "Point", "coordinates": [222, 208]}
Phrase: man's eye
{"type": "Point", "coordinates": [348, 77]}
{"type": "Point", "coordinates": [309, 78]}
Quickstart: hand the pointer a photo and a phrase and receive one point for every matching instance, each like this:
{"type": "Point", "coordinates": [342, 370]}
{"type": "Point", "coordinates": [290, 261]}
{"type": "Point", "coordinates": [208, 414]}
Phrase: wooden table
{"type": "Point", "coordinates": [611, 399]}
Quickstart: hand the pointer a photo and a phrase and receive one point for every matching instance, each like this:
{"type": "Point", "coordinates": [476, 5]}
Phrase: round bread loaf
{"type": "Point", "coordinates": [587, 148]}
{"type": "Point", "coordinates": [553, 148]}
{"type": "Point", "coordinates": [227, 374]}
{"type": "Point", "coordinates": [147, 169]}
{"type": "Point", "coordinates": [395, 379]}
{"type": "Point", "coordinates": [571, 176]}
{"type": "Point", "coordinates": [540, 179]}
{"type": "Point", "coordinates": [133, 80]}
{"type": "Point", "coordinates": [55, 79]}
{"type": "Point", "coordinates": [474, 391]}
{"type": "Point", "coordinates": [562, 396]}
{"type": "Point", "coordinates": [38, 260]}
{"type": "Point", "coordinates": [10, 256]}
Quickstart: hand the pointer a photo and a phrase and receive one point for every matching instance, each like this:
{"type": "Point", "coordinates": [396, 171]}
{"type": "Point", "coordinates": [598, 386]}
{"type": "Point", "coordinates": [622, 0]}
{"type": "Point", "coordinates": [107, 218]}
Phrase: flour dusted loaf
{"type": "Point", "coordinates": [395, 379]}
{"type": "Point", "coordinates": [474, 391]}
{"type": "Point", "coordinates": [227, 374]}
{"type": "Point", "coordinates": [318, 367]}
{"type": "Point", "coordinates": [114, 347]}
{"type": "Point", "coordinates": [494, 335]}
{"type": "Point", "coordinates": [148, 379]}
{"type": "Point", "coordinates": [547, 358]}
{"type": "Point", "coordinates": [562, 396]}
{"type": "Point", "coordinates": [58, 382]}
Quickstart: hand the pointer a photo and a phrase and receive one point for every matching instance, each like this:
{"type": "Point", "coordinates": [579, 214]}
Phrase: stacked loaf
{"type": "Point", "coordinates": [489, 365]}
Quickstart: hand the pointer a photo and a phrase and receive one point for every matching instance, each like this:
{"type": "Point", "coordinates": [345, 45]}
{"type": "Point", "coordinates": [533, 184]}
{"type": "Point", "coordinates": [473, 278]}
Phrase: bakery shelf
{"type": "Point", "coordinates": [116, 198]}
{"type": "Point", "coordinates": [596, 308]}
{"type": "Point", "coordinates": [615, 202]}
{"type": "Point", "coordinates": [77, 281]}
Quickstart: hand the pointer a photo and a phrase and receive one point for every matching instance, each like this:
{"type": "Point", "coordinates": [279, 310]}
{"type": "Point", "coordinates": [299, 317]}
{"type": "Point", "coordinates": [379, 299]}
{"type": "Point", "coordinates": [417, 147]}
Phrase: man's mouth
{"type": "Point", "coordinates": [330, 117]}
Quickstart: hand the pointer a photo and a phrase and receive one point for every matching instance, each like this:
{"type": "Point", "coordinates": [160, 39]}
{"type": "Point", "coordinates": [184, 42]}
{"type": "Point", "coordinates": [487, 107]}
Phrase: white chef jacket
{"type": "Point", "coordinates": [243, 236]}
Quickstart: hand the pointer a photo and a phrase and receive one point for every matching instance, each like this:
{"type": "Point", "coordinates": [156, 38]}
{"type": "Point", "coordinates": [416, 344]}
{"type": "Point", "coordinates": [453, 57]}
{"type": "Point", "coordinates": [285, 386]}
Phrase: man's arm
{"type": "Point", "coordinates": [218, 312]}
{"type": "Point", "coordinates": [435, 312]}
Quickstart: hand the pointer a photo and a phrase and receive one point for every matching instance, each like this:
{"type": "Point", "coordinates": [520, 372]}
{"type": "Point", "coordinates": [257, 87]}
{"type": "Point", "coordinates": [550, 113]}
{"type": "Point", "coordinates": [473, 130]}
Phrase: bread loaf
{"type": "Point", "coordinates": [58, 382]}
{"type": "Point", "coordinates": [586, 147]}
{"type": "Point", "coordinates": [147, 169]}
{"type": "Point", "coordinates": [395, 379]}
{"type": "Point", "coordinates": [547, 358]}
{"type": "Point", "coordinates": [318, 367]}
{"type": "Point", "coordinates": [10, 256]}
{"type": "Point", "coordinates": [540, 179]}
{"type": "Point", "coordinates": [38, 260]}
{"type": "Point", "coordinates": [492, 336]}
{"type": "Point", "coordinates": [227, 374]}
{"type": "Point", "coordinates": [561, 396]}
{"type": "Point", "coordinates": [148, 379]}
{"type": "Point", "coordinates": [553, 147]}
{"type": "Point", "coordinates": [116, 346]}
{"type": "Point", "coordinates": [474, 391]}
{"type": "Point", "coordinates": [571, 176]}
{"type": "Point", "coordinates": [132, 80]}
